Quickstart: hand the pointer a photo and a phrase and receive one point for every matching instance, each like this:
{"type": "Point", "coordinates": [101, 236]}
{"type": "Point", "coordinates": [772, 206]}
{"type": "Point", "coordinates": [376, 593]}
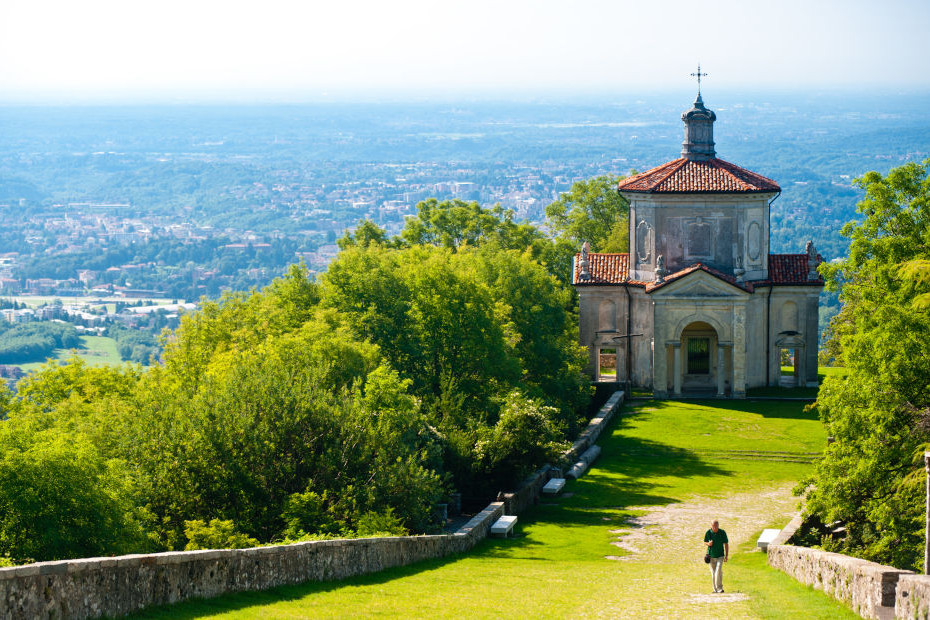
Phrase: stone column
{"type": "Point", "coordinates": [659, 357]}
{"type": "Point", "coordinates": [800, 356]}
{"type": "Point", "coordinates": [720, 369]}
{"type": "Point", "coordinates": [927, 541]}
{"type": "Point", "coordinates": [677, 378]}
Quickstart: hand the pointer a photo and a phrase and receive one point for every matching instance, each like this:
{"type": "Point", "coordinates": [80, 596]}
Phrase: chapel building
{"type": "Point", "coordinates": [699, 305]}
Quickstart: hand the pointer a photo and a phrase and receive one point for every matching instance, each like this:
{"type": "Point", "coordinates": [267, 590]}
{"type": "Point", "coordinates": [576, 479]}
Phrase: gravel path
{"type": "Point", "coordinates": [664, 544]}
{"type": "Point", "coordinates": [667, 533]}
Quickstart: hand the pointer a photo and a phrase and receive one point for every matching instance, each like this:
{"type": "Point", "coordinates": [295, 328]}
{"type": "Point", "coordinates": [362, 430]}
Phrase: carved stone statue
{"type": "Point", "coordinates": [584, 265]}
{"type": "Point", "coordinates": [738, 271]}
{"type": "Point", "coordinates": [813, 261]}
{"type": "Point", "coordinates": [660, 268]}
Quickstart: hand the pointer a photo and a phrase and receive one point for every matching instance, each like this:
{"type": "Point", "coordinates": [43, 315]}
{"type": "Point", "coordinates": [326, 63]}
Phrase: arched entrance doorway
{"type": "Point", "coordinates": [702, 361]}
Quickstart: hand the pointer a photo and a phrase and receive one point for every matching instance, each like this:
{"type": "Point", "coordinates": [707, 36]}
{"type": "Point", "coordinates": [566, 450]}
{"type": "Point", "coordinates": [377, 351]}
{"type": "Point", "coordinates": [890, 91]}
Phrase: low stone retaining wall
{"type": "Point", "coordinates": [912, 599]}
{"type": "Point", "coordinates": [528, 491]}
{"type": "Point", "coordinates": [115, 586]}
{"type": "Point", "coordinates": [94, 587]}
{"type": "Point", "coordinates": [588, 437]}
{"type": "Point", "coordinates": [864, 586]}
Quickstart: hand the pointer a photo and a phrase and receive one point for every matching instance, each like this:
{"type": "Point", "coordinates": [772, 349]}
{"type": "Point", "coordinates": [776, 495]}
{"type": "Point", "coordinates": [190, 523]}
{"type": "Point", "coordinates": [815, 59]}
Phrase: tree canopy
{"type": "Point", "coordinates": [871, 479]}
{"type": "Point", "coordinates": [442, 360]}
{"type": "Point", "coordinates": [595, 212]}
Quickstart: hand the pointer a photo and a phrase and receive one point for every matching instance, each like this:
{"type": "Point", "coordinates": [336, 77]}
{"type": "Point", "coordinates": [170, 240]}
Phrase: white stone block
{"type": "Point", "coordinates": [766, 538]}
{"type": "Point", "coordinates": [577, 471]}
{"type": "Point", "coordinates": [554, 486]}
{"type": "Point", "coordinates": [590, 454]}
{"type": "Point", "coordinates": [504, 525]}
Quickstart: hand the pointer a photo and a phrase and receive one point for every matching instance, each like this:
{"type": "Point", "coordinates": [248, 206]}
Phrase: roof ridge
{"type": "Point", "coordinates": [685, 175]}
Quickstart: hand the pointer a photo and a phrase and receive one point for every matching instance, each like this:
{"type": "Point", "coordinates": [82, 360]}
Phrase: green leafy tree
{"type": "Point", "coordinates": [365, 234]}
{"type": "Point", "coordinates": [61, 498]}
{"type": "Point", "coordinates": [453, 224]}
{"type": "Point", "coordinates": [871, 478]}
{"type": "Point", "coordinates": [524, 438]}
{"type": "Point", "coordinates": [592, 211]}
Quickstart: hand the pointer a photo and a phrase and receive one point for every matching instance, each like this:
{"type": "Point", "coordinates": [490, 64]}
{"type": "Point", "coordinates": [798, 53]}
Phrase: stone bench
{"type": "Point", "coordinates": [554, 486]}
{"type": "Point", "coordinates": [766, 538]}
{"type": "Point", "coordinates": [504, 525]}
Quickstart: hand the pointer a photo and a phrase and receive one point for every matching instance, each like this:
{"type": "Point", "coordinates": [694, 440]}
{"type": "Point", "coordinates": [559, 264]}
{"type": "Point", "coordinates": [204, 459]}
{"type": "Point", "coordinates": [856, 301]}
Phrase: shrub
{"type": "Point", "coordinates": [215, 535]}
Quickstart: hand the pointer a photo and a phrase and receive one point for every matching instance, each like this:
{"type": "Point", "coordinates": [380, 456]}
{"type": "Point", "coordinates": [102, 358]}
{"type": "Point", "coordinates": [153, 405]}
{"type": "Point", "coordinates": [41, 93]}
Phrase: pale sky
{"type": "Point", "coordinates": [266, 50]}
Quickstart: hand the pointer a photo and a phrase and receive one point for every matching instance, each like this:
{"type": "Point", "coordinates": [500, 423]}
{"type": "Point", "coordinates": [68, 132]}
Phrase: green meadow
{"type": "Point", "coordinates": [95, 351]}
{"type": "Point", "coordinates": [623, 541]}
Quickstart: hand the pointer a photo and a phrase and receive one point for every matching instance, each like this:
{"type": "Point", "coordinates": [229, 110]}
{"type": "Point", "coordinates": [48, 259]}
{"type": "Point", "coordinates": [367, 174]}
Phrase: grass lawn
{"type": "Point", "coordinates": [95, 351]}
{"type": "Point", "coordinates": [676, 457]}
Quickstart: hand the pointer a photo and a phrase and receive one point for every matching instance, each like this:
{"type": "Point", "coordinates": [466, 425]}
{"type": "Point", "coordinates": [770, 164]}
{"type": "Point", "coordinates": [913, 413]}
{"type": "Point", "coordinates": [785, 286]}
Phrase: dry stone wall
{"type": "Point", "coordinates": [865, 586]}
{"type": "Point", "coordinates": [94, 587]}
{"type": "Point", "coordinates": [912, 599]}
{"type": "Point", "coordinates": [115, 586]}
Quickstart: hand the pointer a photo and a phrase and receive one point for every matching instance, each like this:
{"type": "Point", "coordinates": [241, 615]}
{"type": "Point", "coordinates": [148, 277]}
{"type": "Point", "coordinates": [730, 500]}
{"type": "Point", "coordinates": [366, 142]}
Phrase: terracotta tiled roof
{"type": "Point", "coordinates": [613, 269]}
{"type": "Point", "coordinates": [603, 269]}
{"type": "Point", "coordinates": [791, 269]}
{"type": "Point", "coordinates": [687, 175]}
{"type": "Point", "coordinates": [691, 269]}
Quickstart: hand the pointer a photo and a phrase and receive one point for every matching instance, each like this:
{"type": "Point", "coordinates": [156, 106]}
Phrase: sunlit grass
{"type": "Point", "coordinates": [95, 351]}
{"type": "Point", "coordinates": [660, 454]}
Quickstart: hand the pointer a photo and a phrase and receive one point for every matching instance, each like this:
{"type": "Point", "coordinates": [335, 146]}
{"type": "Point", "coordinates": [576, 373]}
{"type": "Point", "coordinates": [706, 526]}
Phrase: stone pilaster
{"type": "Point", "coordinates": [739, 351]}
{"type": "Point", "coordinates": [721, 370]}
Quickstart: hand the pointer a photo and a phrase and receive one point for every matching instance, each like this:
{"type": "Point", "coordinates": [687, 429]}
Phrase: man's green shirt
{"type": "Point", "coordinates": [716, 549]}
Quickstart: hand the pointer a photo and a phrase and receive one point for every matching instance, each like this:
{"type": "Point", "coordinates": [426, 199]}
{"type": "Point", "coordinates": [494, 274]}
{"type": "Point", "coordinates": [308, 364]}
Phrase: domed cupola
{"type": "Point", "coordinates": [699, 132]}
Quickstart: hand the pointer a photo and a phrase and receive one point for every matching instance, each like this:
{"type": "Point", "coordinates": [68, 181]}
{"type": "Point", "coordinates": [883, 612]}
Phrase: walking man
{"type": "Point", "coordinates": [718, 546]}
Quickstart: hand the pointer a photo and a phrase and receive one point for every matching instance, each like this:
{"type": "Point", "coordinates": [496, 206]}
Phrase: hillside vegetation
{"type": "Point", "coordinates": [870, 486]}
{"type": "Point", "coordinates": [442, 360]}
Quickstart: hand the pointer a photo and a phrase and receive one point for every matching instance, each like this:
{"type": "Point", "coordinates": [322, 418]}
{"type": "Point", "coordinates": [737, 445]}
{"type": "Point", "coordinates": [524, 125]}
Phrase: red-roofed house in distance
{"type": "Point", "coordinates": [699, 306]}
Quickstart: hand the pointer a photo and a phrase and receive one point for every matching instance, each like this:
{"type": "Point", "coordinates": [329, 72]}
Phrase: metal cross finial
{"type": "Point", "coordinates": [699, 75]}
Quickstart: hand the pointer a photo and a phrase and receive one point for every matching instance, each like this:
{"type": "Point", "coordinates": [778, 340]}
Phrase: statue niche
{"type": "Point", "coordinates": [607, 316]}
{"type": "Point", "coordinates": [644, 242]}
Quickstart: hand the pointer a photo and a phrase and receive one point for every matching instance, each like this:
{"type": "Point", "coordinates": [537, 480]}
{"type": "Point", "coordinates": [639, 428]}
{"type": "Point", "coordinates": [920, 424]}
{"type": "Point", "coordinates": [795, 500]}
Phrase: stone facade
{"type": "Point", "coordinates": [699, 305]}
{"type": "Point", "coordinates": [868, 588]}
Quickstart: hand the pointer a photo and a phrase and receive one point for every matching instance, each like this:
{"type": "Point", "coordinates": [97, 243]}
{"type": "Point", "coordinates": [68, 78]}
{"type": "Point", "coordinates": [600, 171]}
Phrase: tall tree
{"type": "Point", "coordinates": [595, 212]}
{"type": "Point", "coordinates": [871, 478]}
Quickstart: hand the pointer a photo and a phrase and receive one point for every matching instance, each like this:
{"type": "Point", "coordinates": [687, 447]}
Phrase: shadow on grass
{"type": "Point", "coordinates": [626, 475]}
{"type": "Point", "coordinates": [790, 410]}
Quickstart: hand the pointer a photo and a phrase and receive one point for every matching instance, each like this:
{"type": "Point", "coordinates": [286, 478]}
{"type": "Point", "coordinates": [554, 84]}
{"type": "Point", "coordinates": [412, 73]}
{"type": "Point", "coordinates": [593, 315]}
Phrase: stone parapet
{"type": "Point", "coordinates": [115, 586]}
{"type": "Point", "coordinates": [865, 586]}
{"type": "Point", "coordinates": [912, 598]}
{"type": "Point", "coordinates": [589, 436]}
{"type": "Point", "coordinates": [528, 492]}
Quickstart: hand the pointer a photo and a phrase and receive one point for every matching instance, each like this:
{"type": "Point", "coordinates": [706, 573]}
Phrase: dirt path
{"type": "Point", "coordinates": [667, 533]}
{"type": "Point", "coordinates": [664, 556]}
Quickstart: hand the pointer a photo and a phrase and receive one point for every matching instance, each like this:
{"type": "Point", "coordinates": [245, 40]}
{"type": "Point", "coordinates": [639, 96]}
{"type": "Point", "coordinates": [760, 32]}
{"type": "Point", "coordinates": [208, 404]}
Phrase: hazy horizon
{"type": "Point", "coordinates": [110, 51]}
